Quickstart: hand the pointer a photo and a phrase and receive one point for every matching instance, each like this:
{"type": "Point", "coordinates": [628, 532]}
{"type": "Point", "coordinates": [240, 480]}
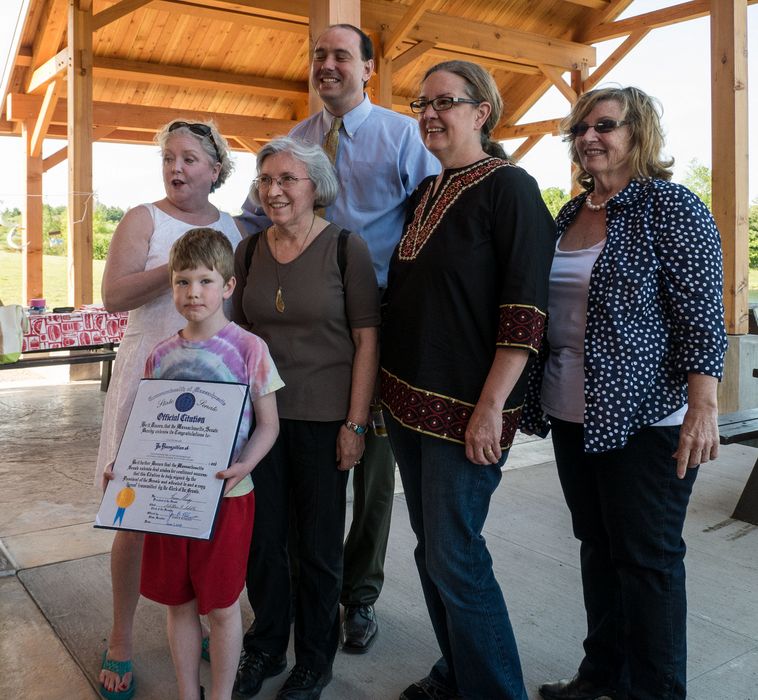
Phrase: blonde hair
{"type": "Point", "coordinates": [202, 247]}
{"type": "Point", "coordinates": [214, 145]}
{"type": "Point", "coordinates": [643, 115]}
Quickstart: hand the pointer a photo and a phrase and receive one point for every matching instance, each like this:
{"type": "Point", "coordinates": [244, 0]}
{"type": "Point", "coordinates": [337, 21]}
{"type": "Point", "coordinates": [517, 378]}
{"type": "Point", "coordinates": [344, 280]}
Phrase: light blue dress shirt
{"type": "Point", "coordinates": [380, 161]}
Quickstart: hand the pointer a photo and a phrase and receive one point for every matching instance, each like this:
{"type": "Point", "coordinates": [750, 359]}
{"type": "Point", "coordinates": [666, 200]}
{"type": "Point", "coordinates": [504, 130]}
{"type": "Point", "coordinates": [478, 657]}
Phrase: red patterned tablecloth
{"type": "Point", "coordinates": [79, 328]}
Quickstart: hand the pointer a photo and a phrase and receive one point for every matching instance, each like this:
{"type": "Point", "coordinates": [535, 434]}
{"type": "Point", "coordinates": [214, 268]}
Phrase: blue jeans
{"type": "Point", "coordinates": [448, 498]}
{"type": "Point", "coordinates": [627, 509]}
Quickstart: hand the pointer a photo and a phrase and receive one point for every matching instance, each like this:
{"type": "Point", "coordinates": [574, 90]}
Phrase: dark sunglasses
{"type": "Point", "coordinates": [200, 130]}
{"type": "Point", "coordinates": [603, 126]}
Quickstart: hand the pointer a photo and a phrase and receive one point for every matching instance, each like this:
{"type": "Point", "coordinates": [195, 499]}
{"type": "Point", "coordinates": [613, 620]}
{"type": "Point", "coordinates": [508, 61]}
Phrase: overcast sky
{"type": "Point", "coordinates": [671, 63]}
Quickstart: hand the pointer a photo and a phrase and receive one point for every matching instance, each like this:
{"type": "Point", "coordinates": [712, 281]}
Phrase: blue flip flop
{"type": "Point", "coordinates": [121, 668]}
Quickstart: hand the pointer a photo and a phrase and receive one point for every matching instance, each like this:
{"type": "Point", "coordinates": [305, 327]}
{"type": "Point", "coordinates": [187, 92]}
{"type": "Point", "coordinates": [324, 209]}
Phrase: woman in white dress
{"type": "Point", "coordinates": [195, 162]}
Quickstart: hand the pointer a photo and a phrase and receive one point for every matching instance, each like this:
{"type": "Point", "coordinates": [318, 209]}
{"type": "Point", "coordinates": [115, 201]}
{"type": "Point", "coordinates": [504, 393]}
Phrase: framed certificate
{"type": "Point", "coordinates": [178, 436]}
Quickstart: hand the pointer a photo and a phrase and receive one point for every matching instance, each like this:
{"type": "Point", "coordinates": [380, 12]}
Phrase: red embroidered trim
{"type": "Point", "coordinates": [422, 227]}
{"type": "Point", "coordinates": [521, 325]}
{"type": "Point", "coordinates": [439, 416]}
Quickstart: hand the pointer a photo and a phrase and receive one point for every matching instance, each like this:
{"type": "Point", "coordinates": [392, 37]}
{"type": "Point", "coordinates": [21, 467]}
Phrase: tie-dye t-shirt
{"type": "Point", "coordinates": [232, 355]}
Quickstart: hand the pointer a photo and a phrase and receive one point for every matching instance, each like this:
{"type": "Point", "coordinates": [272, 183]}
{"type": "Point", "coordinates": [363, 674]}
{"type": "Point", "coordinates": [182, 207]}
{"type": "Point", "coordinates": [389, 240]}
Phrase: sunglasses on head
{"type": "Point", "coordinates": [602, 126]}
{"type": "Point", "coordinates": [200, 130]}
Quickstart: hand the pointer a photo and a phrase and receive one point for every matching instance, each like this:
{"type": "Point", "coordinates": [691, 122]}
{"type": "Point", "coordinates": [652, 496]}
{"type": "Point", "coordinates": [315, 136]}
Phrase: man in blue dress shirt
{"type": "Point", "coordinates": [380, 159]}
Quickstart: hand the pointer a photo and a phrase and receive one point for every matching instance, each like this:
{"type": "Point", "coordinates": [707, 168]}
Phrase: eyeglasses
{"type": "Point", "coordinates": [285, 181]}
{"type": "Point", "coordinates": [440, 104]}
{"type": "Point", "coordinates": [603, 126]}
{"type": "Point", "coordinates": [200, 130]}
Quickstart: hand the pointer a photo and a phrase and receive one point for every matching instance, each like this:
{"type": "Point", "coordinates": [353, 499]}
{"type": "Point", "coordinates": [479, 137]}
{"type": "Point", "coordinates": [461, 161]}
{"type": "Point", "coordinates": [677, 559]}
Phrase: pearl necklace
{"type": "Point", "coordinates": [595, 207]}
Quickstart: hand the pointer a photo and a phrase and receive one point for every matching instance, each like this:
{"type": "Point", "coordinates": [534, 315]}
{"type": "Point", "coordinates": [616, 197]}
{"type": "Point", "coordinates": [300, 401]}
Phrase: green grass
{"type": "Point", "coordinates": [53, 279]}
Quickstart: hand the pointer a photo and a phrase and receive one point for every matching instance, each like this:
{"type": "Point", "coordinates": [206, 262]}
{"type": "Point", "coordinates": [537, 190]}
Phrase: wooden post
{"type": "Point", "coordinates": [730, 153]}
{"type": "Point", "coordinates": [577, 83]}
{"type": "Point", "coordinates": [31, 255]}
{"type": "Point", "coordinates": [323, 14]}
{"type": "Point", "coordinates": [80, 199]}
{"type": "Point", "coordinates": [381, 82]}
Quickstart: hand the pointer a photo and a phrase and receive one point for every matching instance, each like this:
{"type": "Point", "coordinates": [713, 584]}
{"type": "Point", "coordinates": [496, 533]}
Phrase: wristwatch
{"type": "Point", "coordinates": [357, 429]}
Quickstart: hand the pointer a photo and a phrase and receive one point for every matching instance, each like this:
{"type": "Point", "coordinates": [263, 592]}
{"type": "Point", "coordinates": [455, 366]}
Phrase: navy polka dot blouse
{"type": "Point", "coordinates": [654, 313]}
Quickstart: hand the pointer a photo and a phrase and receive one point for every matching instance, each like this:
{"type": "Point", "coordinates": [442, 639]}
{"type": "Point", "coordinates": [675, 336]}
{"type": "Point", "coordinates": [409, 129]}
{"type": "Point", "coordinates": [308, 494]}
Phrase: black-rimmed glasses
{"type": "Point", "coordinates": [440, 104]}
{"type": "Point", "coordinates": [200, 130]}
{"type": "Point", "coordinates": [602, 126]}
{"type": "Point", "coordinates": [264, 182]}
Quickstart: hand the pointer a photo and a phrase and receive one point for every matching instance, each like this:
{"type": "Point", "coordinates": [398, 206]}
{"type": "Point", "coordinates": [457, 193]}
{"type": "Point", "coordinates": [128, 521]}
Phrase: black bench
{"type": "Point", "coordinates": [75, 355]}
{"type": "Point", "coordinates": [740, 427]}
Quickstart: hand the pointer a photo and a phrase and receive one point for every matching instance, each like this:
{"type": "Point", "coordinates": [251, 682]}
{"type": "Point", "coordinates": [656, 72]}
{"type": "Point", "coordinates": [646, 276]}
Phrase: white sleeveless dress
{"type": "Point", "coordinates": [150, 323]}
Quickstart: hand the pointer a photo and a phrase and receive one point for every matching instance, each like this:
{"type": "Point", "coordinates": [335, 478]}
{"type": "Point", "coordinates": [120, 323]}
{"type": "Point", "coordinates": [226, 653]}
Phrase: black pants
{"type": "Point", "coordinates": [628, 509]}
{"type": "Point", "coordinates": [301, 472]}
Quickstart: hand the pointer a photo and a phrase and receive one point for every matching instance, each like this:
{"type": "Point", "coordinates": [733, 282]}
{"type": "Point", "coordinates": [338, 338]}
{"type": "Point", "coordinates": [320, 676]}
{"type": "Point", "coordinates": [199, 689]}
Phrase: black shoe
{"type": "Point", "coordinates": [427, 689]}
{"type": "Point", "coordinates": [254, 668]}
{"type": "Point", "coordinates": [304, 684]}
{"type": "Point", "coordinates": [576, 688]}
{"type": "Point", "coordinates": [359, 628]}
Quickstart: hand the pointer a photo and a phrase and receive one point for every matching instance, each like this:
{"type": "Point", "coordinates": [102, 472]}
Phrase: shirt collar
{"type": "Point", "coordinates": [351, 121]}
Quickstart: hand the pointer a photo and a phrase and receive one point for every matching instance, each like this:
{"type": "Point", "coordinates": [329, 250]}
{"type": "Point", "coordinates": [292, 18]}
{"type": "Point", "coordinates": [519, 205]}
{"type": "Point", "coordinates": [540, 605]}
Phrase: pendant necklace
{"type": "Point", "coordinates": [279, 297]}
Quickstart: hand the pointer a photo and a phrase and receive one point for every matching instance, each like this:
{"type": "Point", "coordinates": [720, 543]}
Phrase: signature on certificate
{"type": "Point", "coordinates": [176, 509]}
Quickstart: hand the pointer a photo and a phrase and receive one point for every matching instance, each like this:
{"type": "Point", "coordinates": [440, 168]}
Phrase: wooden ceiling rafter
{"type": "Point", "coordinates": [50, 70]}
{"type": "Point", "coordinates": [45, 115]}
{"type": "Point", "coordinates": [392, 42]}
{"type": "Point", "coordinates": [197, 77]}
{"type": "Point", "coordinates": [525, 147]}
{"type": "Point", "coordinates": [115, 12]}
{"type": "Point", "coordinates": [149, 119]}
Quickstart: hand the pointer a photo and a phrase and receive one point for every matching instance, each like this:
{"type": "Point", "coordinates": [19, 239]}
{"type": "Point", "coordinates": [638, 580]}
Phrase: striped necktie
{"type": "Point", "coordinates": [332, 139]}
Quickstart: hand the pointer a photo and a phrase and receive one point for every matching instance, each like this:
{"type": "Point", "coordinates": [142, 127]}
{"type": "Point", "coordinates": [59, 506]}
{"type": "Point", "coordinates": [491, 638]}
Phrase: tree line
{"type": "Point", "coordinates": [105, 218]}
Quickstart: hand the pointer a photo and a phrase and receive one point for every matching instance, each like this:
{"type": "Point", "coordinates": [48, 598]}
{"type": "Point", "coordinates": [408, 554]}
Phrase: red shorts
{"type": "Point", "coordinates": [176, 570]}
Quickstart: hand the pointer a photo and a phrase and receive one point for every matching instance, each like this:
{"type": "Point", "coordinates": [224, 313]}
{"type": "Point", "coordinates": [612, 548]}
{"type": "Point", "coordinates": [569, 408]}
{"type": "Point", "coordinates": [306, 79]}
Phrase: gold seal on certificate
{"type": "Point", "coordinates": [178, 436]}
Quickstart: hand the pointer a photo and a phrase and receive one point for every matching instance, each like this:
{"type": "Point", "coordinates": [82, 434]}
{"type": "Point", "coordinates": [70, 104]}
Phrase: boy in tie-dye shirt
{"type": "Point", "coordinates": [198, 577]}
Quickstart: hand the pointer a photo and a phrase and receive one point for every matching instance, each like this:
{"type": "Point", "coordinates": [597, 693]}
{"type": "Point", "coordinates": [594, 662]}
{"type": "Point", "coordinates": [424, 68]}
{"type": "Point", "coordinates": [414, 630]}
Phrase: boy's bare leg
{"type": "Point", "coordinates": [226, 645]}
{"type": "Point", "coordinates": [184, 639]}
{"type": "Point", "coordinates": [126, 563]}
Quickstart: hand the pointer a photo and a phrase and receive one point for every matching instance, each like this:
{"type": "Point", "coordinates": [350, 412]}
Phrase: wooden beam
{"type": "Point", "coordinates": [150, 119]}
{"type": "Point", "coordinates": [556, 78]}
{"type": "Point", "coordinates": [518, 131]}
{"type": "Point", "coordinates": [382, 79]}
{"type": "Point", "coordinates": [163, 74]}
{"type": "Point", "coordinates": [52, 28]}
{"type": "Point", "coordinates": [411, 55]}
{"type": "Point", "coordinates": [61, 154]}
{"type": "Point", "coordinates": [31, 221]}
{"type": "Point", "coordinates": [594, 4]}
{"type": "Point", "coordinates": [399, 33]}
{"type": "Point", "coordinates": [481, 38]}
{"type": "Point", "coordinates": [48, 71]}
{"type": "Point", "coordinates": [525, 147]}
{"type": "Point", "coordinates": [43, 119]}
{"type": "Point", "coordinates": [80, 197]}
{"type": "Point", "coordinates": [613, 60]}
{"type": "Point", "coordinates": [114, 12]}
{"type": "Point", "coordinates": [248, 144]}
{"type": "Point", "coordinates": [649, 20]}
{"type": "Point", "coordinates": [729, 129]}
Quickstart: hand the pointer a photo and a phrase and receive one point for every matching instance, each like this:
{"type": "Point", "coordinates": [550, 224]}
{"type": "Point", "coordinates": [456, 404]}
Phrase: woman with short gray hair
{"type": "Point", "coordinates": [309, 290]}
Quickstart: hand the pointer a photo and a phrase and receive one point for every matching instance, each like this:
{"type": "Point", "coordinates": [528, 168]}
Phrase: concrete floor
{"type": "Point", "coordinates": [55, 585]}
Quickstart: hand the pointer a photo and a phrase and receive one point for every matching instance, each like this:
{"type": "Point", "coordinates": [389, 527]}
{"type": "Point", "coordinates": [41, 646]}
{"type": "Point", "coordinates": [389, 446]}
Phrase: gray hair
{"type": "Point", "coordinates": [215, 146]}
{"type": "Point", "coordinates": [317, 164]}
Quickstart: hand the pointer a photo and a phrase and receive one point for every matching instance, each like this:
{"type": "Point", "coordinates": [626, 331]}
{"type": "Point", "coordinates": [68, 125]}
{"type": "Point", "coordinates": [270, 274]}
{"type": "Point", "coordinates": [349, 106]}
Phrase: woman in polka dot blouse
{"type": "Point", "coordinates": [627, 383]}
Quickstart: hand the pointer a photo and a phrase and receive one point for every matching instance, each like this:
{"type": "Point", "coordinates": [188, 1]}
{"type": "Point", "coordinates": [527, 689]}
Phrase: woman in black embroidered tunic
{"type": "Point", "coordinates": [466, 301]}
